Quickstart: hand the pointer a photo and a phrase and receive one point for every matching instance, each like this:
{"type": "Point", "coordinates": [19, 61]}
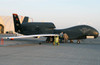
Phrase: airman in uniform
{"type": "Point", "coordinates": [56, 40]}
{"type": "Point", "coordinates": [65, 38]}
{"type": "Point", "coordinates": [61, 37]}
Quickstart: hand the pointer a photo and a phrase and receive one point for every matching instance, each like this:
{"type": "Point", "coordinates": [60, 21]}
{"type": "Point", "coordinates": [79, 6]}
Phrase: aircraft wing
{"type": "Point", "coordinates": [29, 36]}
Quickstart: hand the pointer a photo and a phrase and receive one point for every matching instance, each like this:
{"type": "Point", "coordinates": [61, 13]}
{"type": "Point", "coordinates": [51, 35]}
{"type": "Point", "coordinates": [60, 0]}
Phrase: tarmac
{"type": "Point", "coordinates": [29, 52]}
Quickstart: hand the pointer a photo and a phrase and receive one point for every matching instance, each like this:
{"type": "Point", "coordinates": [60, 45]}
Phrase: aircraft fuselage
{"type": "Point", "coordinates": [76, 32]}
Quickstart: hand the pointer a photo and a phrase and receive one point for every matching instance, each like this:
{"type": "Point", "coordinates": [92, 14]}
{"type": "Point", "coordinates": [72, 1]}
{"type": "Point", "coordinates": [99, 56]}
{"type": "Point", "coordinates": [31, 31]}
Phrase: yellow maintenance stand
{"type": "Point", "coordinates": [56, 40]}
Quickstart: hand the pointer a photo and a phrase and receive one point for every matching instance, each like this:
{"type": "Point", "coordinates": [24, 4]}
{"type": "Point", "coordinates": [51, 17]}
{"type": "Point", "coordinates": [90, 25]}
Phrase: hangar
{"type": "Point", "coordinates": [6, 24]}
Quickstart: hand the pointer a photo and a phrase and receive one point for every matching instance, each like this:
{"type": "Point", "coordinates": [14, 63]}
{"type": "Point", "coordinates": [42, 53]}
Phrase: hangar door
{"type": "Point", "coordinates": [1, 29]}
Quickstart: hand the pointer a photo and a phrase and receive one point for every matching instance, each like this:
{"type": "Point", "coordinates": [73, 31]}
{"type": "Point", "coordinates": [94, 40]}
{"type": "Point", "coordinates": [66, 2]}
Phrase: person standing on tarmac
{"type": "Point", "coordinates": [56, 40]}
{"type": "Point", "coordinates": [65, 36]}
{"type": "Point", "coordinates": [61, 37]}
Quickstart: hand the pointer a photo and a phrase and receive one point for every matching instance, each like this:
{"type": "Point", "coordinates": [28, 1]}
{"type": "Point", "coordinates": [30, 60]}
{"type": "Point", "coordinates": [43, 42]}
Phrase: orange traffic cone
{"type": "Point", "coordinates": [2, 41]}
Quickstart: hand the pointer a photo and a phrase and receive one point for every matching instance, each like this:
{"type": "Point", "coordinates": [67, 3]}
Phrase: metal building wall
{"type": "Point", "coordinates": [7, 22]}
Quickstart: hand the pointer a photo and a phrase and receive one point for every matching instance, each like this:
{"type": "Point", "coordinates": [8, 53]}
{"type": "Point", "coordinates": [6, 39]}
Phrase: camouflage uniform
{"type": "Point", "coordinates": [65, 38]}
